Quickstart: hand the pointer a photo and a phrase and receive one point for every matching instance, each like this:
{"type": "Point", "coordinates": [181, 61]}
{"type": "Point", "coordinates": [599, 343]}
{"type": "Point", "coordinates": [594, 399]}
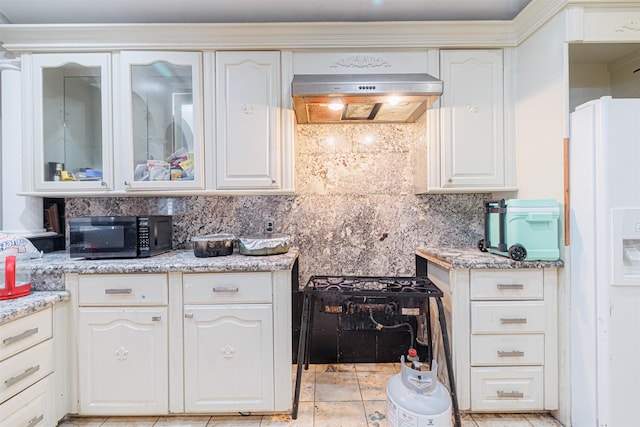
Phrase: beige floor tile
{"type": "Point", "coordinates": [501, 420]}
{"type": "Point", "coordinates": [336, 367]}
{"type": "Point", "coordinates": [467, 420]}
{"type": "Point", "coordinates": [375, 367]}
{"type": "Point", "coordinates": [337, 387]}
{"type": "Point", "coordinates": [178, 421]}
{"type": "Point", "coordinates": [373, 385]}
{"type": "Point", "coordinates": [542, 420]}
{"type": "Point", "coordinates": [307, 386]}
{"type": "Point", "coordinates": [339, 414]}
{"type": "Point", "coordinates": [305, 417]}
{"type": "Point", "coordinates": [312, 368]}
{"type": "Point", "coordinates": [82, 421]}
{"type": "Point", "coordinates": [376, 412]}
{"type": "Point", "coordinates": [235, 421]}
{"type": "Point", "coordinates": [130, 422]}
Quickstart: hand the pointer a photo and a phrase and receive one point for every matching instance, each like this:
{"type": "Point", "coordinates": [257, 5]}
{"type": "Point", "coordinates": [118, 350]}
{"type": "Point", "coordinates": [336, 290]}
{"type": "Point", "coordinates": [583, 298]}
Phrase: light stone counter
{"type": "Point", "coordinates": [12, 309]}
{"type": "Point", "coordinates": [47, 281]}
{"type": "Point", "coordinates": [468, 257]}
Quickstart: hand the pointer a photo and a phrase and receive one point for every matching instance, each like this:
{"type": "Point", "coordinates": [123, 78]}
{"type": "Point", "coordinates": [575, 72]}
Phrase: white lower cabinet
{"type": "Point", "coordinates": [228, 358]}
{"type": "Point", "coordinates": [503, 336]}
{"type": "Point", "coordinates": [123, 360]}
{"type": "Point", "coordinates": [122, 345]}
{"type": "Point", "coordinates": [229, 342]}
{"type": "Point", "coordinates": [30, 408]}
{"type": "Point", "coordinates": [181, 343]}
{"type": "Point", "coordinates": [26, 365]}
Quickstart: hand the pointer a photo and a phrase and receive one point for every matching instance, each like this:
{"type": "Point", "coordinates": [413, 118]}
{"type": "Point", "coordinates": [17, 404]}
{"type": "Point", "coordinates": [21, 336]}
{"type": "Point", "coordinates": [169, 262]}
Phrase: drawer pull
{"type": "Point", "coordinates": [156, 318]}
{"type": "Point", "coordinates": [510, 394]}
{"type": "Point", "coordinates": [510, 286]}
{"type": "Point", "coordinates": [513, 321]}
{"type": "Point", "coordinates": [225, 289]}
{"type": "Point", "coordinates": [11, 381]}
{"type": "Point", "coordinates": [20, 336]}
{"type": "Point", "coordinates": [35, 420]}
{"type": "Point", "coordinates": [514, 353]}
{"type": "Point", "coordinates": [188, 315]}
{"type": "Point", "coordinates": [117, 291]}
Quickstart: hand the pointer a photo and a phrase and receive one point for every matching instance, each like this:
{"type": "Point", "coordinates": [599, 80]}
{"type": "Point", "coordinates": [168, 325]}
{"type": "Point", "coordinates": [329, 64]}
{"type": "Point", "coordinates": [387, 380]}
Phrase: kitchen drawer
{"type": "Point", "coordinates": [488, 317]}
{"type": "Point", "coordinates": [512, 284]}
{"type": "Point", "coordinates": [22, 333]}
{"type": "Point", "coordinates": [123, 289]}
{"type": "Point", "coordinates": [20, 371]}
{"type": "Point", "coordinates": [29, 408]}
{"type": "Point", "coordinates": [223, 288]}
{"type": "Point", "coordinates": [517, 349]}
{"type": "Point", "coordinates": [504, 389]}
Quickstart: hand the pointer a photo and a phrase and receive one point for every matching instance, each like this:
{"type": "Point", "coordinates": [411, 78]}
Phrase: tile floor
{"type": "Point", "coordinates": [344, 395]}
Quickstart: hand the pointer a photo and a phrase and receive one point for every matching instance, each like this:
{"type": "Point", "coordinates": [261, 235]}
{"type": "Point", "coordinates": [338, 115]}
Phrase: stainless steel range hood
{"type": "Point", "coordinates": [363, 98]}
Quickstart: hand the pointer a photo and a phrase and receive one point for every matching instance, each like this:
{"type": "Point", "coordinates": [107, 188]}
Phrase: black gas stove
{"type": "Point", "coordinates": [374, 302]}
{"type": "Point", "coordinates": [358, 298]}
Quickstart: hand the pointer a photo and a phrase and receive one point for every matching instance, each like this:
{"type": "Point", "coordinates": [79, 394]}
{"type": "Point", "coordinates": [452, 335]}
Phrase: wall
{"type": "Point", "coordinates": [542, 117]}
{"type": "Point", "coordinates": [354, 211]}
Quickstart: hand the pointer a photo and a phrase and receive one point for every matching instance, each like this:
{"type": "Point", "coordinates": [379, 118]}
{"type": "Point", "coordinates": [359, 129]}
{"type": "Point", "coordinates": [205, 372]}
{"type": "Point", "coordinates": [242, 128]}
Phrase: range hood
{"type": "Point", "coordinates": [363, 98]}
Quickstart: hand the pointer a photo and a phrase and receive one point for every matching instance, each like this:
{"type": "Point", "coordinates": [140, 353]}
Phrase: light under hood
{"type": "Point", "coordinates": [363, 98]}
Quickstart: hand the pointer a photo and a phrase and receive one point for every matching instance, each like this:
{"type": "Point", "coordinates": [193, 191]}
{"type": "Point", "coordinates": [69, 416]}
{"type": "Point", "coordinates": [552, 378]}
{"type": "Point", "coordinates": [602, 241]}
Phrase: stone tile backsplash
{"type": "Point", "coordinates": [354, 212]}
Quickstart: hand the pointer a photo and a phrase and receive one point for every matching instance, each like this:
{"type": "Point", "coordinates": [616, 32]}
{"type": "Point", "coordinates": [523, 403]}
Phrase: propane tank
{"type": "Point", "coordinates": [416, 398]}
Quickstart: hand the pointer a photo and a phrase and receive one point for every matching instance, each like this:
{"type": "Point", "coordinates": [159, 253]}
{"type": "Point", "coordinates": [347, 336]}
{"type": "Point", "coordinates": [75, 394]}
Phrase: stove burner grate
{"type": "Point", "coordinates": [373, 285]}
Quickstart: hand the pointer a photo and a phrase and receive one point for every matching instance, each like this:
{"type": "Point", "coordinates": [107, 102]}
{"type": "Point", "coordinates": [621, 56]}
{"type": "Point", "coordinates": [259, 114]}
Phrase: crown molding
{"type": "Point", "coordinates": [291, 36]}
{"type": "Point", "coordinates": [34, 38]}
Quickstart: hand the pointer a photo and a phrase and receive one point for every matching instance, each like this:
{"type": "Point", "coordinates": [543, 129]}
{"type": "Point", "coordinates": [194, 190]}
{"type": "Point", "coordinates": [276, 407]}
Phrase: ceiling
{"type": "Point", "coordinates": [241, 11]}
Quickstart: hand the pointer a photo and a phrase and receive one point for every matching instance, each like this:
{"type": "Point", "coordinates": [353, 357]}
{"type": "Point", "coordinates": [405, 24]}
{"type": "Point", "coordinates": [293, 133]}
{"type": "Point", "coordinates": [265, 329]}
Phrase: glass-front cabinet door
{"type": "Point", "coordinates": [161, 141]}
{"type": "Point", "coordinates": [72, 122]}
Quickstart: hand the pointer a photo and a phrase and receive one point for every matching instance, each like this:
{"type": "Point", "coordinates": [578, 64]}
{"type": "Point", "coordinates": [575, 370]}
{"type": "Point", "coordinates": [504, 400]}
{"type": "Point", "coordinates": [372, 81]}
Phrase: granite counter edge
{"type": "Point", "coordinates": [36, 301]}
{"type": "Point", "coordinates": [472, 258]}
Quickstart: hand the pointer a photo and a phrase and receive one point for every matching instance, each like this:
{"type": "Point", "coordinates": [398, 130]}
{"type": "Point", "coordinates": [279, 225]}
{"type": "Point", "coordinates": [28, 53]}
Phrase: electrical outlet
{"type": "Point", "coordinates": [269, 225]}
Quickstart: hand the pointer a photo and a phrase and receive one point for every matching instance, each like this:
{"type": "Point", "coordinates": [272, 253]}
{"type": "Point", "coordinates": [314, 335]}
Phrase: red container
{"type": "Point", "coordinates": [16, 280]}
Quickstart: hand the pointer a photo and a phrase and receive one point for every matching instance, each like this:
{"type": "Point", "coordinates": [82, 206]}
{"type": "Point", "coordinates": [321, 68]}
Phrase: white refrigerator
{"type": "Point", "coordinates": [605, 263]}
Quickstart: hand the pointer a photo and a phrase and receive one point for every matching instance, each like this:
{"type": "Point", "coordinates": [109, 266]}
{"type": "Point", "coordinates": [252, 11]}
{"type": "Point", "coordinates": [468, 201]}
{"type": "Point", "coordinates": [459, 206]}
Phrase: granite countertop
{"type": "Point", "coordinates": [468, 257]}
{"type": "Point", "coordinates": [47, 281]}
{"type": "Point", "coordinates": [48, 271]}
{"type": "Point", "coordinates": [12, 309]}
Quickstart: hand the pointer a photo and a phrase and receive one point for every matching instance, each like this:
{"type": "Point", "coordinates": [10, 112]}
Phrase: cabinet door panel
{"type": "Point", "coordinates": [247, 119]}
{"type": "Point", "coordinates": [72, 121]}
{"type": "Point", "coordinates": [472, 116]}
{"type": "Point", "coordinates": [228, 358]}
{"type": "Point", "coordinates": [123, 361]}
{"type": "Point", "coordinates": [161, 141]}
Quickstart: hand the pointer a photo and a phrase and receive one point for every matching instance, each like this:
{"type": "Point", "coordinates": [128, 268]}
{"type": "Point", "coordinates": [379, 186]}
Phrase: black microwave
{"type": "Point", "coordinates": [97, 237]}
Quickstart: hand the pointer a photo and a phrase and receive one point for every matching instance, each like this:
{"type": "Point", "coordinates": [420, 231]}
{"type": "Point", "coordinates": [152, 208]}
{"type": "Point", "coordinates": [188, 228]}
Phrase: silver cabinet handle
{"type": "Point", "coordinates": [117, 291]}
{"type": "Point", "coordinates": [514, 353]}
{"type": "Point", "coordinates": [511, 394]}
{"type": "Point", "coordinates": [513, 321]}
{"type": "Point", "coordinates": [156, 318]}
{"type": "Point", "coordinates": [11, 381]}
{"type": "Point", "coordinates": [35, 420]}
{"type": "Point", "coordinates": [510, 286]}
{"type": "Point", "coordinates": [188, 315]}
{"type": "Point", "coordinates": [20, 336]}
{"type": "Point", "coordinates": [225, 289]}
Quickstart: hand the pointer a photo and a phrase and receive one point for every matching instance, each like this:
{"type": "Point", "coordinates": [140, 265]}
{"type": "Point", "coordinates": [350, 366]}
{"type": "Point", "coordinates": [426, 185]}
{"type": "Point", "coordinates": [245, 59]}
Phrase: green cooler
{"type": "Point", "coordinates": [522, 229]}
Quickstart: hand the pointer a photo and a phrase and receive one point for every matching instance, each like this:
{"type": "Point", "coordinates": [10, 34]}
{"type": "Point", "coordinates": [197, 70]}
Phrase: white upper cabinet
{"type": "Point", "coordinates": [160, 144]}
{"type": "Point", "coordinates": [248, 103]}
{"type": "Point", "coordinates": [469, 149]}
{"type": "Point", "coordinates": [70, 122]}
